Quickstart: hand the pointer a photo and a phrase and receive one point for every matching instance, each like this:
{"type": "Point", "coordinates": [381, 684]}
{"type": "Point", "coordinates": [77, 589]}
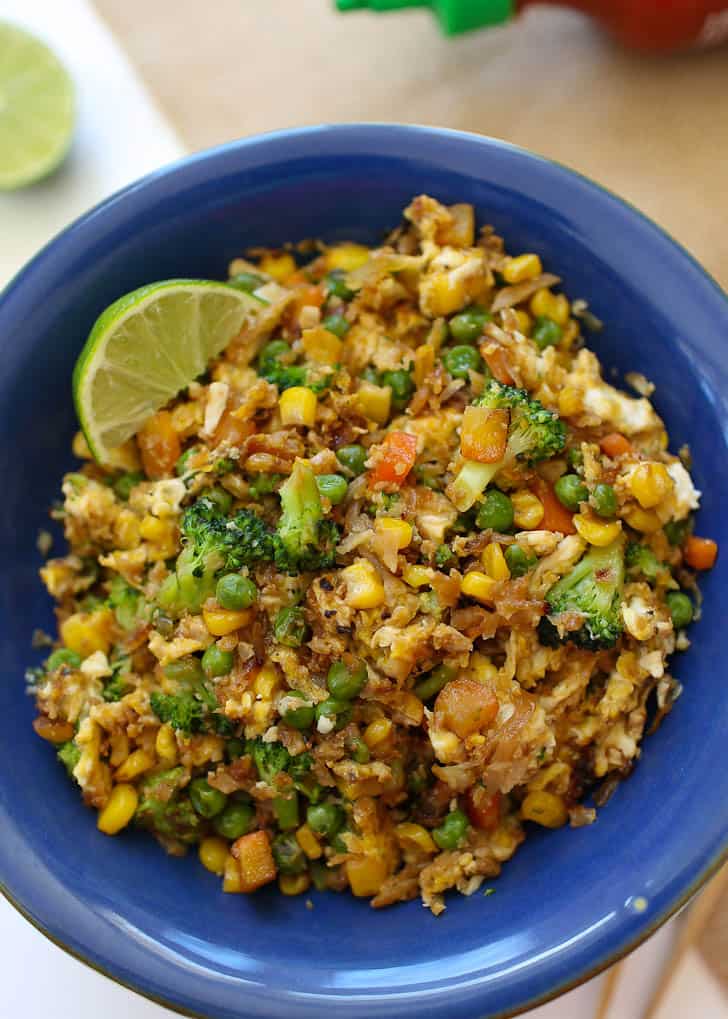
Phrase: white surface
{"type": "Point", "coordinates": [120, 136]}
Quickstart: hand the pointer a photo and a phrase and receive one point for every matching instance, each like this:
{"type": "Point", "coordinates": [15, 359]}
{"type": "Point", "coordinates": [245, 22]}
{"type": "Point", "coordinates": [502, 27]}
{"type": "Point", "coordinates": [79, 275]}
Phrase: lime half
{"type": "Point", "coordinates": [36, 108]}
{"type": "Point", "coordinates": [145, 348]}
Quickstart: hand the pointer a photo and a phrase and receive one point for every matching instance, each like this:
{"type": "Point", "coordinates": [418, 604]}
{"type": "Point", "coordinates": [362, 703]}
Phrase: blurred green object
{"type": "Point", "coordinates": [37, 109]}
{"type": "Point", "coordinates": [455, 16]}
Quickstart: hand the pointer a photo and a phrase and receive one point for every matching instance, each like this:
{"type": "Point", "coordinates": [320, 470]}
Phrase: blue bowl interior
{"type": "Point", "coordinates": [569, 900]}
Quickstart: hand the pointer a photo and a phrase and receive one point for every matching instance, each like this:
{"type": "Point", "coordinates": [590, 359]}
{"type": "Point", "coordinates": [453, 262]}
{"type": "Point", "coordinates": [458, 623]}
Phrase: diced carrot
{"type": "Point", "coordinates": [308, 296]}
{"type": "Point", "coordinates": [556, 517]}
{"type": "Point", "coordinates": [484, 434]}
{"type": "Point", "coordinates": [497, 360]}
{"type": "Point", "coordinates": [465, 706]}
{"type": "Point", "coordinates": [254, 856]}
{"type": "Point", "coordinates": [159, 446]}
{"type": "Point", "coordinates": [614, 445]}
{"type": "Point", "coordinates": [232, 430]}
{"type": "Point", "coordinates": [483, 808]}
{"type": "Point", "coordinates": [396, 458]}
{"type": "Point", "coordinates": [700, 553]}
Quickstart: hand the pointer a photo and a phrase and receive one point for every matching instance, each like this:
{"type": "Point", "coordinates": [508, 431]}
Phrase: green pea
{"type": "Point", "coordinates": [247, 281]}
{"type": "Point", "coordinates": [604, 500]}
{"type": "Point", "coordinates": [354, 457]}
{"type": "Point", "coordinates": [234, 748]}
{"type": "Point", "coordinates": [335, 284]}
{"type": "Point", "coordinates": [235, 820]}
{"type": "Point", "coordinates": [63, 656]}
{"type": "Point", "coordinates": [461, 360]}
{"type": "Point", "coordinates": [546, 332]}
{"type": "Point", "coordinates": [333, 486]}
{"type": "Point", "coordinates": [263, 484]}
{"type": "Point", "coordinates": [467, 326]}
{"type": "Point", "coordinates": [345, 682]}
{"type": "Point", "coordinates": [570, 491]}
{"type": "Point", "coordinates": [216, 662]}
{"type": "Point", "coordinates": [434, 682]}
{"type": "Point", "coordinates": [185, 670]}
{"type": "Point", "coordinates": [676, 531]}
{"type": "Point", "coordinates": [495, 512]}
{"type": "Point", "coordinates": [336, 709]}
{"type": "Point", "coordinates": [208, 802]}
{"type": "Point", "coordinates": [518, 562]}
{"type": "Point", "coordinates": [124, 484]}
{"type": "Point", "coordinates": [681, 609]}
{"type": "Point", "coordinates": [183, 464]}
{"type": "Point", "coordinates": [285, 809]}
{"type": "Point", "coordinates": [288, 855]}
{"type": "Point", "coordinates": [336, 324]}
{"type": "Point", "coordinates": [575, 457]}
{"type": "Point", "coordinates": [360, 751]}
{"type": "Point", "coordinates": [325, 819]}
{"type": "Point", "coordinates": [290, 626]}
{"type": "Point", "coordinates": [235, 592]}
{"type": "Point", "coordinates": [452, 831]}
{"type": "Point", "coordinates": [300, 718]}
{"type": "Point", "coordinates": [402, 386]}
{"type": "Point", "coordinates": [221, 498]}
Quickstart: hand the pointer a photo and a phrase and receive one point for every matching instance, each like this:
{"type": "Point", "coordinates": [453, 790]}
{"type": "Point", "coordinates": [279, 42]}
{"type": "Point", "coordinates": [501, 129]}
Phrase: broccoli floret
{"type": "Point", "coordinates": [182, 711]}
{"type": "Point", "coordinates": [124, 600]}
{"type": "Point", "coordinates": [275, 364]}
{"type": "Point", "coordinates": [213, 544]}
{"type": "Point", "coordinates": [165, 811]}
{"type": "Point", "coordinates": [263, 484]}
{"type": "Point", "coordinates": [593, 588]}
{"type": "Point", "coordinates": [305, 540]}
{"type": "Point", "coordinates": [640, 559]}
{"type": "Point", "coordinates": [271, 759]}
{"type": "Point", "coordinates": [69, 755]}
{"type": "Point", "coordinates": [117, 686]}
{"type": "Point", "coordinates": [534, 434]}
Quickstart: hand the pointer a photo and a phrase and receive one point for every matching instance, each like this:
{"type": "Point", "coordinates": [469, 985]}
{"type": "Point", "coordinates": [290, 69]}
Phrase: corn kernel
{"type": "Point", "coordinates": [363, 787]}
{"type": "Point", "coordinates": [346, 257]}
{"type": "Point", "coordinates": [127, 532]}
{"type": "Point", "coordinates": [213, 853]}
{"type": "Point", "coordinates": [556, 774]}
{"type": "Point", "coordinates": [544, 808]}
{"type": "Point", "coordinates": [597, 532]}
{"type": "Point", "coordinates": [364, 587]}
{"type": "Point", "coordinates": [166, 745]}
{"type": "Point", "coordinates": [478, 586]}
{"type": "Point", "coordinates": [366, 874]}
{"type": "Point", "coordinates": [570, 401]}
{"type": "Point", "coordinates": [646, 521]}
{"type": "Point", "coordinates": [446, 294]}
{"type": "Point", "coordinates": [527, 510]}
{"type": "Point", "coordinates": [525, 322]}
{"type": "Point", "coordinates": [152, 528]}
{"type": "Point", "coordinates": [119, 743]}
{"type": "Point", "coordinates": [650, 483]}
{"type": "Point", "coordinates": [294, 884]}
{"type": "Point", "coordinates": [417, 576]}
{"type": "Point", "coordinates": [555, 307]}
{"type": "Point", "coordinates": [232, 881]}
{"type": "Point", "coordinates": [280, 267]}
{"type": "Point", "coordinates": [308, 842]}
{"type": "Point", "coordinates": [119, 811]}
{"type": "Point", "coordinates": [86, 632]}
{"type": "Point", "coordinates": [266, 682]}
{"type": "Point", "coordinates": [494, 562]}
{"type": "Point", "coordinates": [297, 406]}
{"type": "Point", "coordinates": [375, 402]}
{"type": "Point", "coordinates": [391, 526]}
{"type": "Point", "coordinates": [321, 346]}
{"type": "Point", "coordinates": [377, 732]}
{"type": "Point", "coordinates": [223, 621]}
{"type": "Point", "coordinates": [136, 764]}
{"type": "Point", "coordinates": [424, 362]}
{"type": "Point", "coordinates": [521, 268]}
{"type": "Point", "coordinates": [53, 730]}
{"type": "Point", "coordinates": [481, 665]}
{"type": "Point", "coordinates": [414, 836]}
{"type": "Point", "coordinates": [79, 447]}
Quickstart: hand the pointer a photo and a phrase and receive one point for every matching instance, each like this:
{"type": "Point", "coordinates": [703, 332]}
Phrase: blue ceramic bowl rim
{"type": "Point", "coordinates": [391, 139]}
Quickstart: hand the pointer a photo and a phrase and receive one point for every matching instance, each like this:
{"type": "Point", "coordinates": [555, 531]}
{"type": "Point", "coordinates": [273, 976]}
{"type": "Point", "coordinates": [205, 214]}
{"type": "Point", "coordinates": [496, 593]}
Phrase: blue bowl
{"type": "Point", "coordinates": [571, 901]}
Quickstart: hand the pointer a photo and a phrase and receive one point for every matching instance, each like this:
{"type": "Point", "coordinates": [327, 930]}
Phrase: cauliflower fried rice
{"type": "Point", "coordinates": [397, 579]}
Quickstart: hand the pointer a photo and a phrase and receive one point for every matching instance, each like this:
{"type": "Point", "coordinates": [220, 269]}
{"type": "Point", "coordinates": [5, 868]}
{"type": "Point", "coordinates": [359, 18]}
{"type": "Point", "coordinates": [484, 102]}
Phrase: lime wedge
{"type": "Point", "coordinates": [36, 108]}
{"type": "Point", "coordinates": [145, 348]}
